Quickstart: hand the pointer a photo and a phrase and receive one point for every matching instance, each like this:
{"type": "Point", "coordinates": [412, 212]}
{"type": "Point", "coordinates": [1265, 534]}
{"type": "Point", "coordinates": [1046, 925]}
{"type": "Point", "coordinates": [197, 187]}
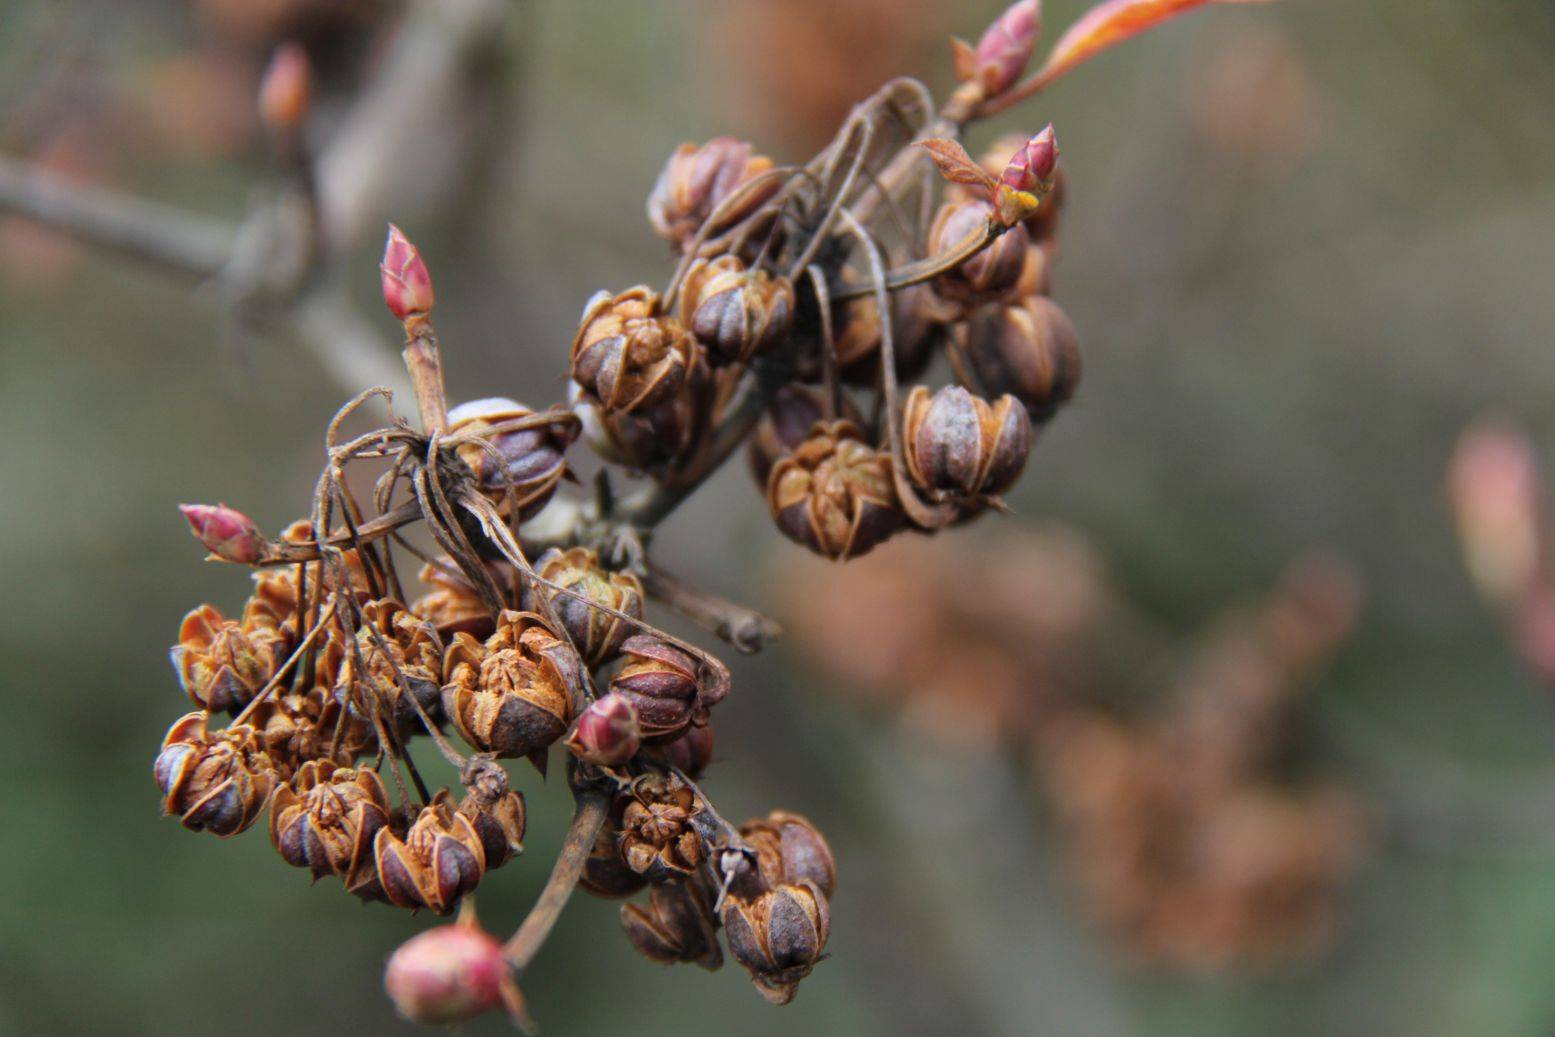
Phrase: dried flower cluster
{"type": "Point", "coordinates": [1184, 828]}
{"type": "Point", "coordinates": [801, 296]}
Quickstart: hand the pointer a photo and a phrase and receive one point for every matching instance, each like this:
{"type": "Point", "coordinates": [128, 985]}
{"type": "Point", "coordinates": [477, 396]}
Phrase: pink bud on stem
{"type": "Point", "coordinates": [1006, 47]}
{"type": "Point", "coordinates": [606, 733]}
{"type": "Point", "coordinates": [450, 974]}
{"type": "Point", "coordinates": [226, 532]}
{"type": "Point", "coordinates": [1027, 178]}
{"type": "Point", "coordinates": [407, 286]}
{"type": "Point", "coordinates": [286, 90]}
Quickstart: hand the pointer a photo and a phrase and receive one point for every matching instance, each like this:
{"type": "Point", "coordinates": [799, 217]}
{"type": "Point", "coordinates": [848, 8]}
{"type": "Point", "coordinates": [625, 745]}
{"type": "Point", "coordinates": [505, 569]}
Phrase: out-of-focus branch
{"type": "Point", "coordinates": [136, 228]}
{"type": "Point", "coordinates": [424, 83]}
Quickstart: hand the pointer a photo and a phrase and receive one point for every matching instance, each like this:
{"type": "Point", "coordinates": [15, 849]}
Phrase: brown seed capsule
{"type": "Point", "coordinates": [650, 438]}
{"type": "Point", "coordinates": [834, 493]}
{"type": "Point", "coordinates": [500, 822]}
{"type": "Point", "coordinates": [215, 782]}
{"type": "Point", "coordinates": [737, 313]}
{"type": "Point", "coordinates": [690, 753]}
{"type": "Point", "coordinates": [661, 682]}
{"type": "Point", "coordinates": [1030, 351]}
{"type": "Point", "coordinates": [659, 828]}
{"type": "Point", "coordinates": [395, 653]}
{"type": "Point", "coordinates": [696, 180]}
{"type": "Point", "coordinates": [960, 448]}
{"type": "Point", "coordinates": [628, 355]}
{"type": "Point", "coordinates": [440, 859]}
{"type": "Point", "coordinates": [325, 821]}
{"type": "Point", "coordinates": [1036, 276]}
{"type": "Point", "coordinates": [792, 412]}
{"type": "Point", "coordinates": [606, 733]}
{"type": "Point", "coordinates": [526, 462]}
{"type": "Point", "coordinates": [791, 849]}
{"type": "Point", "coordinates": [605, 873]}
{"type": "Point", "coordinates": [597, 635]}
{"type": "Point", "coordinates": [301, 727]}
{"type": "Point", "coordinates": [219, 665]}
{"type": "Point", "coordinates": [453, 606]}
{"type": "Point", "coordinates": [778, 936]}
{"type": "Point", "coordinates": [989, 272]}
{"type": "Point", "coordinates": [677, 925]}
{"type": "Point", "coordinates": [512, 695]}
{"type": "Point", "coordinates": [919, 323]}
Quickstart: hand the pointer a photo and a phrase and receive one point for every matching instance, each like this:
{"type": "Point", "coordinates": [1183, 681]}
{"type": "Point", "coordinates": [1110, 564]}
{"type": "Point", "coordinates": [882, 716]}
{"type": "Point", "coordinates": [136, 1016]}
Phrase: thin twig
{"type": "Point", "coordinates": [136, 228]}
{"type": "Point", "coordinates": [588, 817]}
{"type": "Point", "coordinates": [744, 628]}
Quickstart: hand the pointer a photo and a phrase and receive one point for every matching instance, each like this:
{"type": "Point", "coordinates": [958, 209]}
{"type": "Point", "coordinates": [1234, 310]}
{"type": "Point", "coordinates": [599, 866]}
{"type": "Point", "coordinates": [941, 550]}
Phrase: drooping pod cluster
{"type": "Point", "coordinates": [802, 297]}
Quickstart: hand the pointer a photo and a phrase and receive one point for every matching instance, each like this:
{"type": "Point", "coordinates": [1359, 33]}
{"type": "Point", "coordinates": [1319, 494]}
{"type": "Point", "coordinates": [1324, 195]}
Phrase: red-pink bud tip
{"type": "Point", "coordinates": [449, 974]}
{"type": "Point", "coordinates": [407, 286]}
{"type": "Point", "coordinates": [606, 733]}
{"type": "Point", "coordinates": [1005, 48]}
{"type": "Point", "coordinates": [226, 532]}
{"type": "Point", "coordinates": [286, 89]}
{"type": "Point", "coordinates": [1031, 168]}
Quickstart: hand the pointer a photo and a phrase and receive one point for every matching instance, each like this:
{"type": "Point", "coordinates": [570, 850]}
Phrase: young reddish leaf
{"type": "Point", "coordinates": [1112, 22]}
{"type": "Point", "coordinates": [956, 165]}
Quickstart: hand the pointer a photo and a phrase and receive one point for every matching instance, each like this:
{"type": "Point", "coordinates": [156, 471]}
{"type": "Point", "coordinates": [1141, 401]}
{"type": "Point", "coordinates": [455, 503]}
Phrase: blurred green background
{"type": "Point", "coordinates": [1306, 243]}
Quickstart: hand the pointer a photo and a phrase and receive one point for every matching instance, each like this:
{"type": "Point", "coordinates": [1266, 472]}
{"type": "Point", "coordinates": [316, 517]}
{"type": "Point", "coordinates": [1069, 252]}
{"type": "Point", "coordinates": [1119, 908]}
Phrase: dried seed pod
{"type": "Point", "coordinates": [628, 355]}
{"type": "Point", "coordinates": [526, 463]}
{"type": "Point", "coordinates": [606, 733]}
{"type": "Point", "coordinates": [986, 274]}
{"type": "Point", "coordinates": [512, 695]}
{"type": "Point", "coordinates": [219, 665]}
{"type": "Point", "coordinates": [1030, 351]}
{"type": "Point", "coordinates": [1036, 275]}
{"type": "Point", "coordinates": [440, 859]}
{"type": "Point", "coordinates": [736, 312]}
{"type": "Point", "coordinates": [662, 683]}
{"type": "Point", "coordinates": [690, 753]}
{"type": "Point", "coordinates": [660, 839]}
{"type": "Point", "coordinates": [696, 180]}
{"type": "Point", "coordinates": [918, 325]}
{"type": "Point", "coordinates": [395, 652]}
{"type": "Point", "coordinates": [215, 782]}
{"type": "Point", "coordinates": [791, 413]}
{"type": "Point", "coordinates": [959, 447]}
{"type": "Point", "coordinates": [320, 574]}
{"type": "Point", "coordinates": [605, 873]}
{"type": "Point", "coordinates": [453, 606]}
{"type": "Point", "coordinates": [652, 437]}
{"type": "Point", "coordinates": [789, 848]}
{"type": "Point", "coordinates": [677, 925]}
{"type": "Point", "coordinates": [834, 494]}
{"type": "Point", "coordinates": [597, 635]}
{"type": "Point", "coordinates": [500, 821]}
{"type": "Point", "coordinates": [451, 974]}
{"type": "Point", "coordinates": [778, 936]}
{"type": "Point", "coordinates": [300, 727]}
{"type": "Point", "coordinates": [325, 821]}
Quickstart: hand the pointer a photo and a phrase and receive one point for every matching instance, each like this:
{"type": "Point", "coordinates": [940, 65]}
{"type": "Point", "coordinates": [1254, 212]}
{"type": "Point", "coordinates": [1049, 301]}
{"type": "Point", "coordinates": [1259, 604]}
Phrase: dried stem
{"type": "Point", "coordinates": [744, 628]}
{"type": "Point", "coordinates": [135, 228]}
{"type": "Point", "coordinates": [588, 817]}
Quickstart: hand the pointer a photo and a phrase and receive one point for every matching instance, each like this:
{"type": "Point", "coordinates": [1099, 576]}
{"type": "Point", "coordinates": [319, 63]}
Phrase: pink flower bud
{"type": "Point", "coordinates": [228, 533]}
{"type": "Point", "coordinates": [407, 287]}
{"type": "Point", "coordinates": [1005, 48]}
{"type": "Point", "coordinates": [1493, 489]}
{"type": "Point", "coordinates": [286, 89]}
{"type": "Point", "coordinates": [449, 974]}
{"type": "Point", "coordinates": [606, 733]}
{"type": "Point", "coordinates": [1031, 168]}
